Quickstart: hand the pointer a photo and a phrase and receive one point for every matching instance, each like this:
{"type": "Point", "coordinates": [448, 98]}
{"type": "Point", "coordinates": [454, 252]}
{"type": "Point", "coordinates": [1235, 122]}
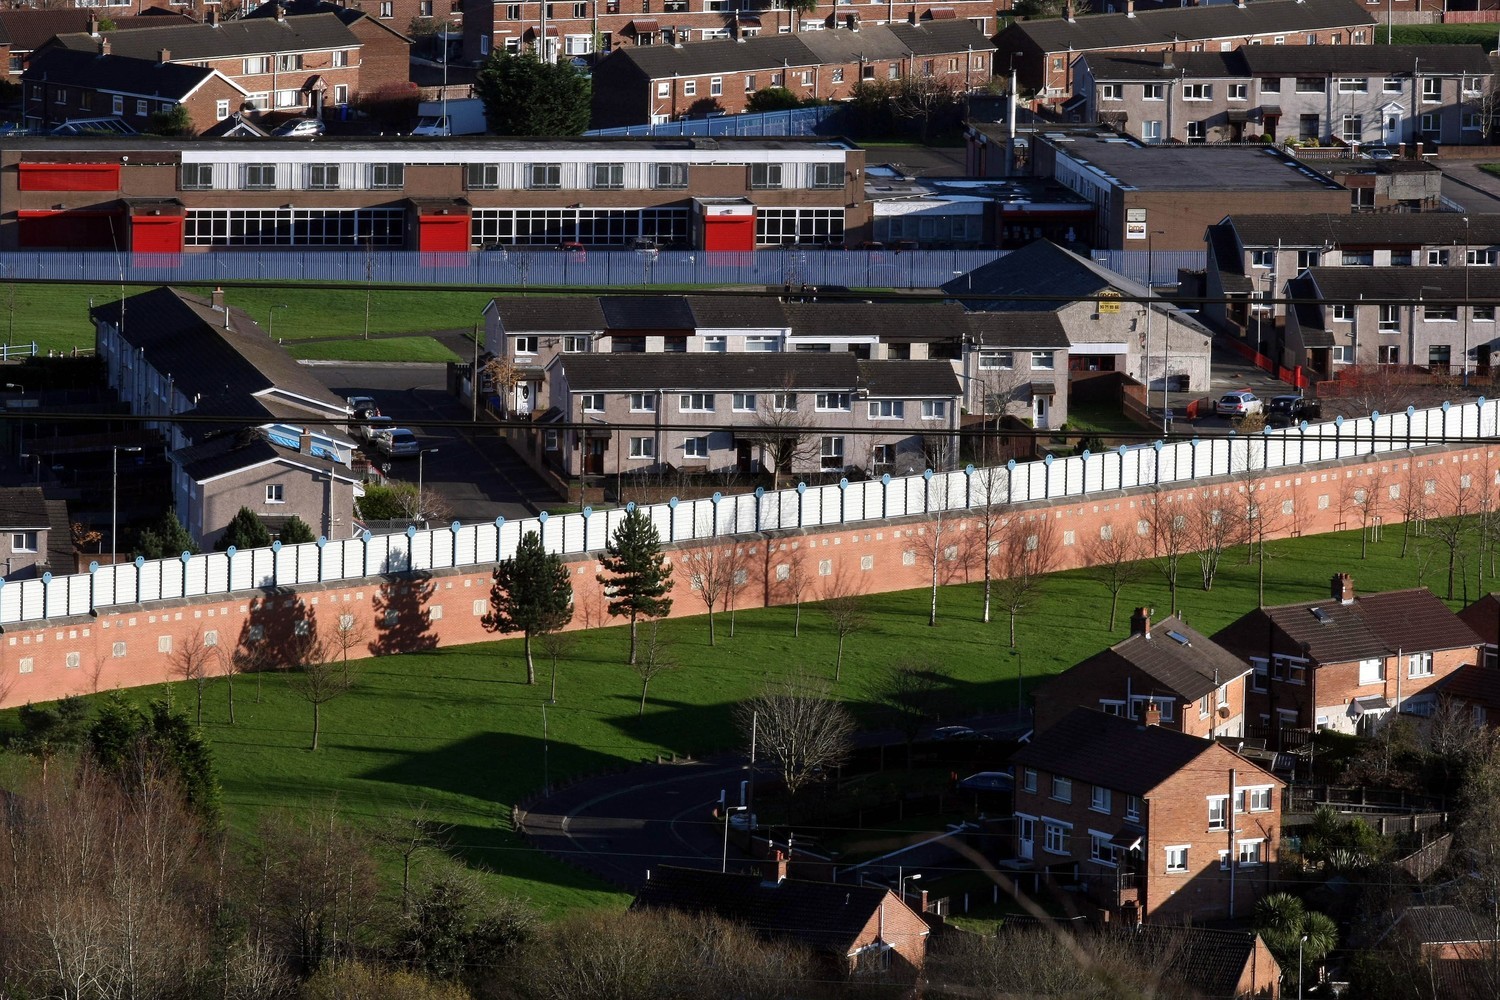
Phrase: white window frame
{"type": "Point", "coordinates": [695, 447]}
{"type": "Point", "coordinates": [1059, 844]}
{"type": "Point", "coordinates": [643, 402]}
{"type": "Point", "coordinates": [275, 493]}
{"type": "Point", "coordinates": [934, 409]}
{"type": "Point", "coordinates": [25, 541]}
{"type": "Point", "coordinates": [887, 409]}
{"type": "Point", "coordinates": [591, 402]}
{"type": "Point", "coordinates": [832, 402]}
{"type": "Point", "coordinates": [743, 402]}
{"type": "Point", "coordinates": [1419, 665]}
{"type": "Point", "coordinates": [1061, 789]}
{"type": "Point", "coordinates": [695, 402]}
{"type": "Point", "coordinates": [1177, 858]}
{"type": "Point", "coordinates": [643, 447]}
{"type": "Point", "coordinates": [1251, 853]}
{"type": "Point", "coordinates": [1101, 800]}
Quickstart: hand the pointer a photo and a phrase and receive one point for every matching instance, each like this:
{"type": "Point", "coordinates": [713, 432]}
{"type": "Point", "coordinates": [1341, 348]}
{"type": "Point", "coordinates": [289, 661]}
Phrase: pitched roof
{"type": "Point", "coordinates": [62, 556]}
{"type": "Point", "coordinates": [1445, 924]}
{"type": "Point", "coordinates": [1107, 750]}
{"type": "Point", "coordinates": [183, 336]}
{"type": "Point", "coordinates": [119, 74]}
{"type": "Point", "coordinates": [1399, 229]}
{"type": "Point", "coordinates": [1372, 625]}
{"type": "Point", "coordinates": [27, 30]}
{"type": "Point", "coordinates": [708, 372]}
{"type": "Point", "coordinates": [646, 312]}
{"type": "Point", "coordinates": [727, 312]}
{"type": "Point", "coordinates": [1387, 283]}
{"type": "Point", "coordinates": [1107, 66]}
{"type": "Point", "coordinates": [549, 313]}
{"type": "Point", "coordinates": [936, 37]}
{"type": "Point", "coordinates": [1040, 266]}
{"type": "Point", "coordinates": [1018, 329]}
{"type": "Point", "coordinates": [227, 453]}
{"type": "Point", "coordinates": [23, 507]}
{"type": "Point", "coordinates": [1179, 24]}
{"type": "Point", "coordinates": [886, 320]}
{"type": "Point", "coordinates": [248, 36]}
{"type": "Point", "coordinates": [1390, 60]}
{"type": "Point", "coordinates": [827, 916]}
{"type": "Point", "coordinates": [908, 379]}
{"type": "Point", "coordinates": [1211, 962]}
{"type": "Point", "coordinates": [1483, 616]}
{"type": "Point", "coordinates": [1191, 669]}
{"type": "Point", "coordinates": [302, 8]}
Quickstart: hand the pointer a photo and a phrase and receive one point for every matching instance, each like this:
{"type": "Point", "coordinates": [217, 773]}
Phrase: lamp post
{"type": "Point", "coordinates": [25, 455]}
{"type": "Point", "coordinates": [1300, 943]}
{"type": "Point", "coordinates": [727, 809]}
{"type": "Point", "coordinates": [421, 457]}
{"type": "Point", "coordinates": [20, 424]}
{"type": "Point", "coordinates": [271, 323]}
{"type": "Point", "coordinates": [1466, 307]}
{"type": "Point", "coordinates": [114, 499]}
{"type": "Point", "coordinates": [901, 888]}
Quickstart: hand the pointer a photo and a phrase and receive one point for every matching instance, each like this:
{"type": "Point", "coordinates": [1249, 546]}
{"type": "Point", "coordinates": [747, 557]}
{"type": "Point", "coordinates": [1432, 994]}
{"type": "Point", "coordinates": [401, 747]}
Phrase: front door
{"type": "Point", "coordinates": [1391, 117]}
{"type": "Point", "coordinates": [744, 456]}
{"type": "Point", "coordinates": [525, 396]}
{"type": "Point", "coordinates": [1025, 838]}
{"type": "Point", "coordinates": [1039, 412]}
{"type": "Point", "coordinates": [593, 459]}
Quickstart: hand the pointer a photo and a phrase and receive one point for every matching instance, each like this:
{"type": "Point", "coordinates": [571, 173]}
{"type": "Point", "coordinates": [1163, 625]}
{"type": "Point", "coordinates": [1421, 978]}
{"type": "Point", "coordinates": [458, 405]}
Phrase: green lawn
{"type": "Point", "coordinates": [353, 348]}
{"type": "Point", "coordinates": [458, 729]}
{"type": "Point", "coordinates": [1493, 169]}
{"type": "Point", "coordinates": [1438, 34]}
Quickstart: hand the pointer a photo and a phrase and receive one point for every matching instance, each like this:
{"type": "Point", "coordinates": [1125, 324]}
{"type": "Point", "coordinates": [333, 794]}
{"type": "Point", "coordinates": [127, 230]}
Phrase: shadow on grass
{"type": "Point", "coordinates": [499, 850]}
{"type": "Point", "coordinates": [495, 767]}
{"type": "Point", "coordinates": [679, 727]}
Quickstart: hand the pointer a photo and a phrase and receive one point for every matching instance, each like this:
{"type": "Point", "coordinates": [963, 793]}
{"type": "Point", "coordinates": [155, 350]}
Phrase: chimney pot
{"type": "Point", "coordinates": [1140, 622]}
{"type": "Point", "coordinates": [104, 46]}
{"type": "Point", "coordinates": [1130, 8]}
{"type": "Point", "coordinates": [213, 16]}
{"type": "Point", "coordinates": [94, 24]}
{"type": "Point", "coordinates": [1342, 588]}
{"type": "Point", "coordinates": [780, 872]}
{"type": "Point", "coordinates": [304, 442]}
{"type": "Point", "coordinates": [1153, 714]}
{"type": "Point", "coordinates": [280, 12]}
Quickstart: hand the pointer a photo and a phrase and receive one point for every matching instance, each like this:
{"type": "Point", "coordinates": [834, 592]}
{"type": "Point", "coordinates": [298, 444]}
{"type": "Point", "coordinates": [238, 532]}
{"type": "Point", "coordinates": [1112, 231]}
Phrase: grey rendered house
{"type": "Point", "coordinates": [1393, 316]}
{"type": "Point", "coordinates": [718, 413]}
{"type": "Point", "coordinates": [1354, 94]}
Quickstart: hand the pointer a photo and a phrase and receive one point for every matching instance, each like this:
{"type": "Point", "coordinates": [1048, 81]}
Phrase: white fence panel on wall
{"type": "Point", "coordinates": [510, 537]}
{"type": "Point", "coordinates": [54, 597]}
{"type": "Point", "coordinates": [10, 603]}
{"type": "Point", "coordinates": [33, 600]}
{"type": "Point", "coordinates": [80, 593]}
{"type": "Point", "coordinates": [104, 585]}
{"type": "Point", "coordinates": [810, 512]}
{"type": "Point", "coordinates": [173, 576]}
{"type": "Point", "coordinates": [854, 503]}
{"type": "Point", "coordinates": [333, 562]}
{"type": "Point", "coordinates": [486, 542]}
{"type": "Point", "coordinates": [306, 556]}
{"type": "Point", "coordinates": [421, 547]}
{"type": "Point", "coordinates": [397, 554]}
{"type": "Point", "coordinates": [148, 580]}
{"type": "Point", "coordinates": [570, 536]}
{"type": "Point", "coordinates": [242, 570]}
{"type": "Point", "coordinates": [216, 571]}
{"type": "Point", "coordinates": [195, 575]}
{"type": "Point", "coordinates": [262, 566]}
{"type": "Point", "coordinates": [285, 566]}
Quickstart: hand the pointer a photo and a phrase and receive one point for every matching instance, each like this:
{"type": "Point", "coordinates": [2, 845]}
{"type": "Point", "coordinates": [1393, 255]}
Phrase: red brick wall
{"type": "Point", "coordinates": [870, 556]}
{"type": "Point", "coordinates": [901, 928]}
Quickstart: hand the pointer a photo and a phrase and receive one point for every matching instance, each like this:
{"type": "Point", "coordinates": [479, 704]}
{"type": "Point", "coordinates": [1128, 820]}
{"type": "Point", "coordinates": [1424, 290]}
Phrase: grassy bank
{"type": "Point", "coordinates": [1439, 34]}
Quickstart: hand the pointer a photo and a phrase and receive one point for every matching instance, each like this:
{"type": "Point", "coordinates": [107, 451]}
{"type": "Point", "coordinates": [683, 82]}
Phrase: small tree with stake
{"type": "Point", "coordinates": [531, 595]}
{"type": "Point", "coordinates": [655, 660]}
{"type": "Point", "coordinates": [636, 576]}
{"type": "Point", "coordinates": [844, 606]}
{"type": "Point", "coordinates": [320, 679]}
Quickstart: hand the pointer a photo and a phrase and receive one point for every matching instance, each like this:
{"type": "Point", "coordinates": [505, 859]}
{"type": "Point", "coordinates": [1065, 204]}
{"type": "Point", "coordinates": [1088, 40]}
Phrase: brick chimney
{"type": "Point", "coordinates": [94, 24]}
{"type": "Point", "coordinates": [1153, 714]}
{"type": "Point", "coordinates": [778, 873]}
{"type": "Point", "coordinates": [217, 298]}
{"type": "Point", "coordinates": [1166, 58]}
{"type": "Point", "coordinates": [1342, 588]}
{"type": "Point", "coordinates": [164, 55]}
{"type": "Point", "coordinates": [104, 46]}
{"type": "Point", "coordinates": [304, 442]}
{"type": "Point", "coordinates": [212, 17]}
{"type": "Point", "coordinates": [1130, 8]}
{"type": "Point", "coordinates": [1140, 622]}
{"type": "Point", "coordinates": [280, 12]}
{"type": "Point", "coordinates": [1068, 11]}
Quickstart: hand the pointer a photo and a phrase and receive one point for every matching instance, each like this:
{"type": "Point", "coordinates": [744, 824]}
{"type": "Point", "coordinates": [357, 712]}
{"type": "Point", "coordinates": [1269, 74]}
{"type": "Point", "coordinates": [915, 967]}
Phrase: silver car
{"type": "Point", "coordinates": [398, 442]}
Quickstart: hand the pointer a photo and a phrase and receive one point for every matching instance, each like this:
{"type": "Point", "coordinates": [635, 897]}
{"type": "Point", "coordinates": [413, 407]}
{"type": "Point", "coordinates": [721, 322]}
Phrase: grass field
{"type": "Point", "coordinates": [1440, 34]}
{"type": "Point", "coordinates": [458, 729]}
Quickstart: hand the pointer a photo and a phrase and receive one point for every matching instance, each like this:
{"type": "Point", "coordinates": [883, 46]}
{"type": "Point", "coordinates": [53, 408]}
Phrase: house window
{"type": "Point", "coordinates": [1308, 258]}
{"type": "Point", "coordinates": [323, 176]}
{"type": "Point", "coordinates": [387, 8]}
{"type": "Point", "coordinates": [1429, 123]}
{"type": "Point", "coordinates": [1484, 314]}
{"type": "Point", "coordinates": [750, 84]}
{"type": "Point", "coordinates": [482, 176]}
{"type": "Point", "coordinates": [544, 176]}
{"type": "Point", "coordinates": [257, 65]}
{"type": "Point", "coordinates": [1485, 258]}
{"type": "Point", "coordinates": [642, 447]}
{"type": "Point", "coordinates": [762, 344]}
{"type": "Point", "coordinates": [341, 56]}
{"type": "Point", "coordinates": [1028, 779]}
{"type": "Point", "coordinates": [1258, 798]}
{"type": "Point", "coordinates": [1353, 128]}
{"type": "Point", "coordinates": [1042, 359]}
{"type": "Point", "coordinates": [1101, 850]}
{"type": "Point", "coordinates": [1239, 92]}
{"type": "Point", "coordinates": [1342, 354]}
{"type": "Point", "coordinates": [1439, 313]}
{"type": "Point", "coordinates": [829, 401]}
{"type": "Point", "coordinates": [1312, 85]}
{"type": "Point", "coordinates": [387, 176]}
{"type": "Point", "coordinates": [715, 345]}
{"type": "Point", "coordinates": [1151, 131]}
{"type": "Point", "coordinates": [1109, 92]}
{"type": "Point", "coordinates": [1388, 354]}
{"type": "Point", "coordinates": [1197, 92]}
{"type": "Point", "coordinates": [996, 360]}
{"type": "Point", "coordinates": [23, 541]}
{"type": "Point", "coordinates": [221, 109]}
{"type": "Point", "coordinates": [1100, 801]}
{"type": "Point", "coordinates": [197, 176]}
{"type": "Point", "coordinates": [743, 402]}
{"type": "Point", "coordinates": [275, 493]}
{"type": "Point", "coordinates": [838, 74]}
{"type": "Point", "coordinates": [642, 402]}
{"type": "Point", "coordinates": [1138, 705]}
{"type": "Point", "coordinates": [671, 176]}
{"type": "Point", "coordinates": [527, 344]}
{"type": "Point", "coordinates": [784, 402]}
{"type": "Point", "coordinates": [883, 456]}
{"type": "Point", "coordinates": [608, 176]}
{"type": "Point", "coordinates": [689, 88]}
{"type": "Point", "coordinates": [549, 440]}
{"type": "Point", "coordinates": [1177, 858]}
{"type": "Point", "coordinates": [1196, 132]}
{"type": "Point", "coordinates": [1284, 668]}
{"type": "Point", "coordinates": [1353, 85]}
{"type": "Point", "coordinates": [1250, 853]}
{"type": "Point", "coordinates": [696, 402]}
{"type": "Point", "coordinates": [716, 86]}
{"type": "Point", "coordinates": [695, 447]}
{"type": "Point", "coordinates": [576, 344]}
{"type": "Point", "coordinates": [934, 409]}
{"type": "Point", "coordinates": [831, 452]}
{"type": "Point", "coordinates": [1419, 665]}
{"type": "Point", "coordinates": [1390, 85]}
{"type": "Point", "coordinates": [1343, 312]}
{"type": "Point", "coordinates": [663, 91]}
{"type": "Point", "coordinates": [1432, 90]}
{"type": "Point", "coordinates": [1218, 812]}
{"type": "Point", "coordinates": [1371, 671]}
{"type": "Point", "coordinates": [1153, 92]}
{"type": "Point", "coordinates": [1389, 318]}
{"type": "Point", "coordinates": [1132, 807]}
{"type": "Point", "coordinates": [1270, 85]}
{"type": "Point", "coordinates": [592, 402]}
{"type": "Point", "coordinates": [289, 62]}
{"type": "Point", "coordinates": [765, 176]}
{"type": "Point", "coordinates": [1055, 837]}
{"type": "Point", "coordinates": [142, 108]}
{"type": "Point", "coordinates": [887, 409]}
{"type": "Point", "coordinates": [1062, 789]}
{"type": "Point", "coordinates": [1437, 258]}
{"type": "Point", "coordinates": [826, 176]}
{"type": "Point", "coordinates": [260, 176]}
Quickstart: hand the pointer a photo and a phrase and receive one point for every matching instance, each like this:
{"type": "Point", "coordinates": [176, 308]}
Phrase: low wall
{"type": "Point", "coordinates": [129, 646]}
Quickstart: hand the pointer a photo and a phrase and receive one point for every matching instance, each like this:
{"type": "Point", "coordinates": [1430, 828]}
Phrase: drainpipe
{"type": "Point", "coordinates": [1232, 857]}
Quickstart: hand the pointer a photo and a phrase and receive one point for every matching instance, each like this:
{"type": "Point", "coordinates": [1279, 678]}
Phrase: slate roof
{"type": "Point", "coordinates": [1018, 329]}
{"type": "Point", "coordinates": [935, 37]}
{"type": "Point", "coordinates": [1373, 625]}
{"type": "Point", "coordinates": [726, 312]}
{"type": "Point", "coordinates": [886, 320]}
{"type": "Point", "coordinates": [549, 313]}
{"type": "Point", "coordinates": [247, 36]}
{"type": "Point", "coordinates": [27, 30]}
{"type": "Point", "coordinates": [827, 916]}
{"type": "Point", "coordinates": [227, 453]}
{"type": "Point", "coordinates": [1211, 962]}
{"type": "Point", "coordinates": [1180, 24]}
{"type": "Point", "coordinates": [646, 312]}
{"type": "Point", "coordinates": [1472, 684]}
{"type": "Point", "coordinates": [1399, 229]}
{"type": "Point", "coordinates": [715, 372]}
{"type": "Point", "coordinates": [1127, 66]}
{"type": "Point", "coordinates": [183, 336]}
{"type": "Point", "coordinates": [117, 74]}
{"type": "Point", "coordinates": [302, 8]}
{"type": "Point", "coordinates": [1039, 266]}
{"type": "Point", "coordinates": [1192, 670]}
{"type": "Point", "coordinates": [1387, 283]}
{"type": "Point", "coordinates": [1445, 924]}
{"type": "Point", "coordinates": [1115, 752]}
{"type": "Point", "coordinates": [1389, 60]}
{"type": "Point", "coordinates": [908, 379]}
{"type": "Point", "coordinates": [1483, 616]}
{"type": "Point", "coordinates": [23, 507]}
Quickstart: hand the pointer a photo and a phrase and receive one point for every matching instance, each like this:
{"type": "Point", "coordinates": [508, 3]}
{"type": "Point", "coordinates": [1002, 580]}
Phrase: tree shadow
{"type": "Point", "coordinates": [403, 620]}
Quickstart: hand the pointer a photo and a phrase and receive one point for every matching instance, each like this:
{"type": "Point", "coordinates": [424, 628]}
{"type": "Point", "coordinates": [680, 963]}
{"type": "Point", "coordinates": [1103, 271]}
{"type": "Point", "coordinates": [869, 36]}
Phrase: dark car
{"type": "Point", "coordinates": [1287, 411]}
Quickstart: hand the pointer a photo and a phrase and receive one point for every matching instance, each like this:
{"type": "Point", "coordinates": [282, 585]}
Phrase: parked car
{"type": "Point", "coordinates": [300, 127]}
{"type": "Point", "coordinates": [1238, 404]}
{"type": "Point", "coordinates": [1285, 411]}
{"type": "Point", "coordinates": [1380, 153]}
{"type": "Point", "coordinates": [944, 733]}
{"type": "Point", "coordinates": [369, 429]}
{"type": "Point", "coordinates": [362, 406]}
{"type": "Point", "coordinates": [397, 442]}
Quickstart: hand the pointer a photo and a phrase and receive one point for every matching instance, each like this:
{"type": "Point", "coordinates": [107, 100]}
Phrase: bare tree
{"type": "Point", "coordinates": [192, 659]}
{"type": "Point", "coordinates": [795, 584]}
{"type": "Point", "coordinates": [1114, 560]}
{"type": "Point", "coordinates": [780, 431]}
{"type": "Point", "coordinates": [708, 571]}
{"type": "Point", "coordinates": [348, 633]}
{"type": "Point", "coordinates": [912, 692]}
{"type": "Point", "coordinates": [844, 606]}
{"type": "Point", "coordinates": [736, 575]}
{"type": "Point", "coordinates": [1027, 550]}
{"type": "Point", "coordinates": [1170, 535]}
{"type": "Point", "coordinates": [556, 644]}
{"type": "Point", "coordinates": [992, 486]}
{"type": "Point", "coordinates": [1455, 497]}
{"type": "Point", "coordinates": [1266, 516]}
{"type": "Point", "coordinates": [1486, 516]}
{"type": "Point", "coordinates": [1413, 501]}
{"type": "Point", "coordinates": [320, 678]}
{"type": "Point", "coordinates": [408, 832]}
{"type": "Point", "coordinates": [1212, 530]}
{"type": "Point", "coordinates": [1368, 494]}
{"type": "Point", "coordinates": [654, 660]}
{"type": "Point", "coordinates": [934, 544]}
{"type": "Point", "coordinates": [798, 727]}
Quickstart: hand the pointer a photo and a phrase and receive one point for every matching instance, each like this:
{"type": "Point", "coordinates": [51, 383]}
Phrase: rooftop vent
{"type": "Point", "coordinates": [1322, 616]}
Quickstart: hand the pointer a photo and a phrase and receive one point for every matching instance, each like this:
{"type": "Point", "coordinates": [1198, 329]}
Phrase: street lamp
{"type": "Point", "coordinates": [421, 457]}
{"type": "Point", "coordinates": [1299, 965]}
{"type": "Point", "coordinates": [727, 809]}
{"type": "Point", "coordinates": [20, 424]}
{"type": "Point", "coordinates": [1467, 308]}
{"type": "Point", "coordinates": [271, 323]}
{"type": "Point", "coordinates": [26, 455]}
{"type": "Point", "coordinates": [901, 889]}
{"type": "Point", "coordinates": [114, 499]}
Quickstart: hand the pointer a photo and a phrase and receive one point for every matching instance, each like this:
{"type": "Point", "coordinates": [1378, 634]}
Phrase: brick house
{"type": "Point", "coordinates": [1346, 661]}
{"type": "Point", "coordinates": [1333, 94]}
{"type": "Point", "coordinates": [23, 31]}
{"type": "Point", "coordinates": [299, 64]}
{"type": "Point", "coordinates": [63, 85]}
{"type": "Point", "coordinates": [1045, 51]}
{"type": "Point", "coordinates": [384, 46]}
{"type": "Point", "coordinates": [1139, 817]}
{"type": "Point", "coordinates": [641, 85]}
{"type": "Point", "coordinates": [1340, 316]}
{"type": "Point", "coordinates": [1196, 685]}
{"type": "Point", "coordinates": [712, 412]}
{"type": "Point", "coordinates": [1453, 948]}
{"type": "Point", "coordinates": [855, 927]}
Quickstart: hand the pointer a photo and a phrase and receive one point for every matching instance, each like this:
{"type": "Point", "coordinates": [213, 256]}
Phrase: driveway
{"type": "Point", "coordinates": [1470, 188]}
{"type": "Point", "coordinates": [473, 469]}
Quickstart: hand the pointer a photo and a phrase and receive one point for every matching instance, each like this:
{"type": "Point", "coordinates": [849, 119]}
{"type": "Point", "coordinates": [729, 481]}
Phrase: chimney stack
{"type": "Point", "coordinates": [779, 873]}
{"type": "Point", "coordinates": [1153, 714]}
{"type": "Point", "coordinates": [1166, 59]}
{"type": "Point", "coordinates": [1342, 587]}
{"type": "Point", "coordinates": [94, 24]}
{"type": "Point", "coordinates": [1068, 11]}
{"type": "Point", "coordinates": [213, 16]}
{"type": "Point", "coordinates": [1140, 622]}
{"type": "Point", "coordinates": [217, 298]}
{"type": "Point", "coordinates": [164, 55]}
{"type": "Point", "coordinates": [304, 443]}
{"type": "Point", "coordinates": [1130, 8]}
{"type": "Point", "coordinates": [104, 46]}
{"type": "Point", "coordinates": [280, 12]}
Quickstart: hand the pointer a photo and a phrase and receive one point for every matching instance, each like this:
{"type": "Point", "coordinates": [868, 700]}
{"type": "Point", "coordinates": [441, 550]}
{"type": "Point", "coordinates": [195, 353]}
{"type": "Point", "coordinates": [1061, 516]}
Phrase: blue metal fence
{"type": "Point", "coordinates": [826, 119]}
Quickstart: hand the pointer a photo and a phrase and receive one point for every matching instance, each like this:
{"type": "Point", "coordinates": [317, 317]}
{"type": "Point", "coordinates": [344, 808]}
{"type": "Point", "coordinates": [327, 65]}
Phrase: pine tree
{"type": "Point", "coordinates": [166, 539]}
{"type": "Point", "coordinates": [524, 96]}
{"type": "Point", "coordinates": [245, 531]}
{"type": "Point", "coordinates": [295, 532]}
{"type": "Point", "coordinates": [636, 577]}
{"type": "Point", "coordinates": [531, 595]}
